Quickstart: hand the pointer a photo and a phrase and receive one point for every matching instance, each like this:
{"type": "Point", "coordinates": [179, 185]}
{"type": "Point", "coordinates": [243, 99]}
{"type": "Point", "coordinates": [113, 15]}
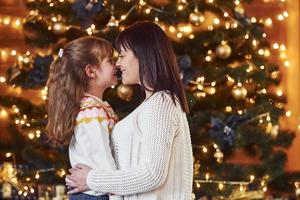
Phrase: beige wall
{"type": "Point", "coordinates": [293, 80]}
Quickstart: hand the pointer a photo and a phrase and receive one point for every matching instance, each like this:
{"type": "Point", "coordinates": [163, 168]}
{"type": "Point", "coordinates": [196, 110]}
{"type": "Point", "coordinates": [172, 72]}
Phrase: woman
{"type": "Point", "coordinates": [152, 144]}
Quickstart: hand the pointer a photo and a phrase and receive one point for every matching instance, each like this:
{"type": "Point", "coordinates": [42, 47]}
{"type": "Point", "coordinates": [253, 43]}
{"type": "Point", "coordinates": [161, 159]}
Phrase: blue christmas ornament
{"type": "Point", "coordinates": [185, 65]}
{"type": "Point", "coordinates": [184, 62]}
{"type": "Point", "coordinates": [38, 75]}
{"type": "Point", "coordinates": [30, 77]}
{"type": "Point", "coordinates": [255, 29]}
{"type": "Point", "coordinates": [224, 133]}
{"type": "Point", "coordinates": [243, 19]}
{"type": "Point", "coordinates": [86, 10]}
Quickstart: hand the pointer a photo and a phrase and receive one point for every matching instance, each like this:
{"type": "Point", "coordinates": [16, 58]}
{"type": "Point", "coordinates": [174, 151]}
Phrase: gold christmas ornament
{"type": "Point", "coordinates": [125, 92]}
{"type": "Point", "coordinates": [8, 174]}
{"type": "Point", "coordinates": [6, 191]}
{"type": "Point", "coordinates": [59, 28]}
{"type": "Point", "coordinates": [239, 92]}
{"type": "Point", "coordinates": [196, 18]}
{"type": "Point", "coordinates": [223, 50]}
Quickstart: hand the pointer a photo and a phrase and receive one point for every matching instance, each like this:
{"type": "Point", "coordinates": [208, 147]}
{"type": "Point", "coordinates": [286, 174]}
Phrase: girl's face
{"type": "Point", "coordinates": [129, 66]}
{"type": "Point", "coordinates": [106, 73]}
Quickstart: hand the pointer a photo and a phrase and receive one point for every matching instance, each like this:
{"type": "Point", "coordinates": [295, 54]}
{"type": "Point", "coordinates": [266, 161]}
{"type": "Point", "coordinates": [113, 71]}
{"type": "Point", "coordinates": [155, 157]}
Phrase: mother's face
{"type": "Point", "coordinates": [129, 66]}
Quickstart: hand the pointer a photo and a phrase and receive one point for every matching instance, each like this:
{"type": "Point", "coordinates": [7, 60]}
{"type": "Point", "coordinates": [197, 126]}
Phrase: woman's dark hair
{"type": "Point", "coordinates": [158, 68]}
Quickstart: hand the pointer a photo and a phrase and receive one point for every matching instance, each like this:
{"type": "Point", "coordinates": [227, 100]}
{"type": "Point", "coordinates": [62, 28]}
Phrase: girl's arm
{"type": "Point", "coordinates": [158, 127]}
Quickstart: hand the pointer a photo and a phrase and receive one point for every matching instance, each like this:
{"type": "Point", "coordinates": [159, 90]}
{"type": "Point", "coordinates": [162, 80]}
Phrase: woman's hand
{"type": "Point", "coordinates": [76, 181]}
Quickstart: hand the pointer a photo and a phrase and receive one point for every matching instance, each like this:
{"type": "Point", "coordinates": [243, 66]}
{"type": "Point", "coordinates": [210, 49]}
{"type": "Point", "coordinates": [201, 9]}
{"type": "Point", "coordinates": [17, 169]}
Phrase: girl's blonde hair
{"type": "Point", "coordinates": [68, 82]}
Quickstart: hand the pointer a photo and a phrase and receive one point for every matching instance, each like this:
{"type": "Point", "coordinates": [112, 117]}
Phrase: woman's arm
{"type": "Point", "coordinates": [158, 126]}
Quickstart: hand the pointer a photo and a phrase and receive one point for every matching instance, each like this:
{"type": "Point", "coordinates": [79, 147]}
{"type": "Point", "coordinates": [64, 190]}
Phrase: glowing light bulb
{"type": "Point", "coordinates": [13, 52]}
{"type": "Point", "coordinates": [207, 176]}
{"type": "Point", "coordinates": [208, 58]}
{"type": "Point", "coordinates": [282, 47]}
{"type": "Point", "coordinates": [265, 189]}
{"type": "Point", "coordinates": [279, 93]}
{"type": "Point", "coordinates": [268, 22]}
{"type": "Point", "coordinates": [287, 63]}
{"type": "Point", "coordinates": [2, 79]}
{"type": "Point", "coordinates": [288, 113]}
{"type": "Point", "coordinates": [123, 17]}
{"type": "Point", "coordinates": [6, 20]}
{"type": "Point", "coordinates": [172, 29]}
{"type": "Point", "coordinates": [280, 17]}
{"type": "Point", "coordinates": [8, 155]}
{"type": "Point", "coordinates": [17, 23]}
{"type": "Point", "coordinates": [179, 35]}
{"type": "Point", "coordinates": [228, 109]}
{"type": "Point", "coordinates": [191, 36]}
{"type": "Point", "coordinates": [31, 136]}
{"type": "Point", "coordinates": [221, 186]}
{"type": "Point", "coordinates": [216, 21]}
{"type": "Point", "coordinates": [275, 46]}
{"type": "Point", "coordinates": [147, 10]}
{"type": "Point", "coordinates": [253, 20]}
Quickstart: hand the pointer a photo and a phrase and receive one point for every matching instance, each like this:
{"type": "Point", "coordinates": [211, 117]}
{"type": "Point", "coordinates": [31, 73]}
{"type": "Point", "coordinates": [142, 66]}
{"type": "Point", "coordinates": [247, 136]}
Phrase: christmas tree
{"type": "Point", "coordinates": [223, 58]}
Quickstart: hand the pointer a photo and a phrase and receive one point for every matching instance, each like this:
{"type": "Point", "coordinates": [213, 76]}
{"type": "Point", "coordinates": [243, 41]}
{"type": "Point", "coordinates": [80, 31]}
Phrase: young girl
{"type": "Point", "coordinates": [77, 115]}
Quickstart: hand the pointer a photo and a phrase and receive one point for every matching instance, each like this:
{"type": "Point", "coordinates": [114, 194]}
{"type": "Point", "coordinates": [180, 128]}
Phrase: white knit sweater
{"type": "Point", "coordinates": [153, 153]}
{"type": "Point", "coordinates": [90, 143]}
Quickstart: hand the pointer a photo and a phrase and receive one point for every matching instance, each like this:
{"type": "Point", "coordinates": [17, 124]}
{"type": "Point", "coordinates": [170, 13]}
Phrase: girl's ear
{"type": "Point", "coordinates": [90, 71]}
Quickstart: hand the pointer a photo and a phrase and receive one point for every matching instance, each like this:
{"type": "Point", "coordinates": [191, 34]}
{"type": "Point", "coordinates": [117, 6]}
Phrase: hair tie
{"type": "Point", "coordinates": [60, 52]}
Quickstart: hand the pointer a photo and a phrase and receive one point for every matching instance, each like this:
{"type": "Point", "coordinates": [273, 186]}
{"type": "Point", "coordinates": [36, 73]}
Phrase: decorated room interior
{"type": "Point", "coordinates": [239, 63]}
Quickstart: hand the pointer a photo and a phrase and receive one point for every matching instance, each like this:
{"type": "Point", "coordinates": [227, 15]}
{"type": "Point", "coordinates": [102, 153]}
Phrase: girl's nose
{"type": "Point", "coordinates": [118, 62]}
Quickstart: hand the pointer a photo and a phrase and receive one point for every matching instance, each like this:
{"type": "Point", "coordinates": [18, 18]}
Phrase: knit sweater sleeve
{"type": "Point", "coordinates": [157, 122]}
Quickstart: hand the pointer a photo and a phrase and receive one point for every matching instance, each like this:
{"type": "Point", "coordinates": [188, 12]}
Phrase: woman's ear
{"type": "Point", "coordinates": [90, 71]}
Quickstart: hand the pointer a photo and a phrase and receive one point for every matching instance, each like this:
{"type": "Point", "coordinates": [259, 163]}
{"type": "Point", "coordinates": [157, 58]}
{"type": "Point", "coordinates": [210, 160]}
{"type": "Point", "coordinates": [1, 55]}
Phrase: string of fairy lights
{"type": "Point", "coordinates": [176, 32]}
{"type": "Point", "coordinates": [24, 188]}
